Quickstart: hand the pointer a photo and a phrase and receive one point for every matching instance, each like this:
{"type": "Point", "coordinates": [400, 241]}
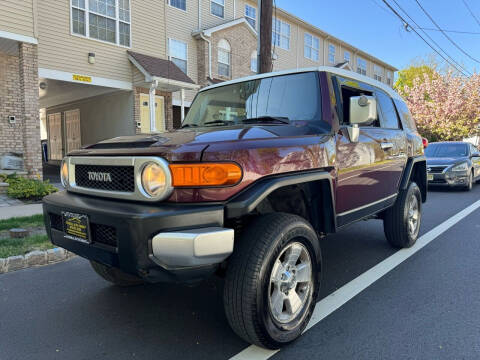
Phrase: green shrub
{"type": "Point", "coordinates": [30, 189]}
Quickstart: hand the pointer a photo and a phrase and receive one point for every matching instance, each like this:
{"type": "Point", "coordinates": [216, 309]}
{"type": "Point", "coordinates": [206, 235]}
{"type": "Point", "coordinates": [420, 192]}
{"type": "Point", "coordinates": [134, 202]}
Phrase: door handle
{"type": "Point", "coordinates": [386, 145]}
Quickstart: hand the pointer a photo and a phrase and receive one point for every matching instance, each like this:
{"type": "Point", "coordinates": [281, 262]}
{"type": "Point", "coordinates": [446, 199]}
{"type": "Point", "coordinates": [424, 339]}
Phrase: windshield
{"type": "Point", "coordinates": [274, 100]}
{"type": "Point", "coordinates": [446, 150]}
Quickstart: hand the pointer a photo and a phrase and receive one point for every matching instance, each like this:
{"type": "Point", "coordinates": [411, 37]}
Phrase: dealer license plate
{"type": "Point", "coordinates": [76, 226]}
{"type": "Point", "coordinates": [429, 177]}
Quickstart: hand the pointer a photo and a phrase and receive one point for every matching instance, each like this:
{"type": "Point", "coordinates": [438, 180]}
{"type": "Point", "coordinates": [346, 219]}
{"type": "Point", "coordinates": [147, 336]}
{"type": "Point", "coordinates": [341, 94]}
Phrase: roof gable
{"type": "Point", "coordinates": [156, 67]}
{"type": "Point", "coordinates": [208, 32]}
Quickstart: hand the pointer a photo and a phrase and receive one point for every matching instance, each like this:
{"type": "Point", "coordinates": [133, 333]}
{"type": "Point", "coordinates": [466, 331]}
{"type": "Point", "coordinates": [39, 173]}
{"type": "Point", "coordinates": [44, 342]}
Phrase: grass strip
{"type": "Point", "coordinates": [12, 247]}
{"type": "Point", "coordinates": [22, 222]}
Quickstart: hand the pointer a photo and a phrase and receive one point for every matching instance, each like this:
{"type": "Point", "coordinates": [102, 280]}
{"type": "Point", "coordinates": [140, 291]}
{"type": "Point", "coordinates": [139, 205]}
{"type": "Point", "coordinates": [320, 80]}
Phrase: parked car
{"type": "Point", "coordinates": [263, 167]}
{"type": "Point", "coordinates": [453, 164]}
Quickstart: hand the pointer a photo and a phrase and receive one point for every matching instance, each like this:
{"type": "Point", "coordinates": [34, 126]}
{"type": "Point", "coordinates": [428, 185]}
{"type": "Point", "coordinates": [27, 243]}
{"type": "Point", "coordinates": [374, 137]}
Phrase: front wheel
{"type": "Point", "coordinates": [272, 280]}
{"type": "Point", "coordinates": [401, 222]}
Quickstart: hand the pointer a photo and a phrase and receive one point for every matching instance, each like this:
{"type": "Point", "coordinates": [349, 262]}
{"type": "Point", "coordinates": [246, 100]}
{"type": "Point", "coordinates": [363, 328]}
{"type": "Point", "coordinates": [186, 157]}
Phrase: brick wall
{"type": "Point", "coordinates": [242, 43]}
{"type": "Point", "coordinates": [168, 107]}
{"type": "Point", "coordinates": [11, 139]}
{"type": "Point", "coordinates": [28, 72]}
{"type": "Point", "coordinates": [19, 97]}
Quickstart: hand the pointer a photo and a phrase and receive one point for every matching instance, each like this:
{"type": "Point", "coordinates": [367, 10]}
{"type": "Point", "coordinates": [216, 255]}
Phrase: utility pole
{"type": "Point", "coordinates": [265, 8]}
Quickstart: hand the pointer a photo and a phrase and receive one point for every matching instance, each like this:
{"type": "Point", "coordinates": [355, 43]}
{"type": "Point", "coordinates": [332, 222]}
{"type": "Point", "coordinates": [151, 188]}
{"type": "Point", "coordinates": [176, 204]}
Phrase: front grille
{"type": "Point", "coordinates": [56, 222]}
{"type": "Point", "coordinates": [103, 234]}
{"type": "Point", "coordinates": [438, 181]}
{"type": "Point", "coordinates": [122, 177]}
{"type": "Point", "coordinates": [436, 169]}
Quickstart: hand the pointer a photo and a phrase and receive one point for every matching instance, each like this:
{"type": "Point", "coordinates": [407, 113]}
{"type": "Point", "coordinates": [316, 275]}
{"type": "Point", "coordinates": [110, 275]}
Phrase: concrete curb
{"type": "Point", "coordinates": [33, 259]}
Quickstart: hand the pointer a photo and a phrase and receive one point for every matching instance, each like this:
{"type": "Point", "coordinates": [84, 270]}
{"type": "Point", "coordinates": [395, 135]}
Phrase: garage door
{"type": "Point", "coordinates": [72, 130]}
{"type": "Point", "coordinates": [55, 136]}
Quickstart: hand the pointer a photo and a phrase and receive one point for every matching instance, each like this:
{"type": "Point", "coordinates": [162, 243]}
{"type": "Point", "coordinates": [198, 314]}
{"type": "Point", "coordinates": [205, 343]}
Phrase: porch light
{"type": "Point", "coordinates": [91, 58]}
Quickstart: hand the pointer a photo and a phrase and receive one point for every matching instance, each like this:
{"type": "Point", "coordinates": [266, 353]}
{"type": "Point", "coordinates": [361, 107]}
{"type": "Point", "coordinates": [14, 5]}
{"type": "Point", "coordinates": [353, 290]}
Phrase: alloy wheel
{"type": "Point", "coordinates": [291, 283]}
{"type": "Point", "coordinates": [413, 215]}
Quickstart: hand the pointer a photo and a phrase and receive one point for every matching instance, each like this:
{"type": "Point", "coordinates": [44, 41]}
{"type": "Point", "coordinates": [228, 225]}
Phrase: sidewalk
{"type": "Point", "coordinates": [7, 212]}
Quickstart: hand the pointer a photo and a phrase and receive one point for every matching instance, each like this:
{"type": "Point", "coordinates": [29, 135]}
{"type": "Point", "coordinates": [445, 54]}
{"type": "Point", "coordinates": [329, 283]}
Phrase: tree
{"type": "Point", "coordinates": [444, 106]}
{"type": "Point", "coordinates": [407, 76]}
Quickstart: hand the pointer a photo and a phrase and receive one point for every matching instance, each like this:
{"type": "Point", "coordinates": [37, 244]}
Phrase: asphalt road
{"type": "Point", "coordinates": [426, 308]}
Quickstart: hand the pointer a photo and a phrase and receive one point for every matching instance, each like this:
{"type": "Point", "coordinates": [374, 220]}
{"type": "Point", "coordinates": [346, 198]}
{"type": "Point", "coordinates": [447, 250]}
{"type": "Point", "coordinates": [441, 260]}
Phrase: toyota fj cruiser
{"type": "Point", "coordinates": [262, 167]}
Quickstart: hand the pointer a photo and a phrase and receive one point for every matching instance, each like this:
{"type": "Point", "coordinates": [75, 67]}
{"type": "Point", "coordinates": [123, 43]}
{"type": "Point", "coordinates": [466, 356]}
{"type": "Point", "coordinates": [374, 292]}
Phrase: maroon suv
{"type": "Point", "coordinates": [261, 168]}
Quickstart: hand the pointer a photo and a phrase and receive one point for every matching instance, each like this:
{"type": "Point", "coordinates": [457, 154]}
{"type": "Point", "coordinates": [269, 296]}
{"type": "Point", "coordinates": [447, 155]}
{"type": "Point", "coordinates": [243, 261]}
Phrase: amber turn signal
{"type": "Point", "coordinates": [205, 174]}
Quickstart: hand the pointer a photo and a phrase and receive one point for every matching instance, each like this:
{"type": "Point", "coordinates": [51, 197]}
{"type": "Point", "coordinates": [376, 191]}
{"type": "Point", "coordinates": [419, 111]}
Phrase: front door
{"type": "Point", "coordinates": [72, 130]}
{"type": "Point", "coordinates": [369, 170]}
{"type": "Point", "coordinates": [145, 113]}
{"type": "Point", "coordinates": [55, 136]}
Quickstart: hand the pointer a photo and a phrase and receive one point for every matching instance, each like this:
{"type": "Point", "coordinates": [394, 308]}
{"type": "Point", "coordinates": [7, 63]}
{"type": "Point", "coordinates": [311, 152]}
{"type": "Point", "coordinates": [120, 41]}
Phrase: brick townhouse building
{"type": "Point", "coordinates": [74, 72]}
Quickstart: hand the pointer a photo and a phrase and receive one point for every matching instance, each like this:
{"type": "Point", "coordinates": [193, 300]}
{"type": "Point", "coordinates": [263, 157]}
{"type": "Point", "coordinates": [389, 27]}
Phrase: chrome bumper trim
{"type": "Point", "coordinates": [192, 248]}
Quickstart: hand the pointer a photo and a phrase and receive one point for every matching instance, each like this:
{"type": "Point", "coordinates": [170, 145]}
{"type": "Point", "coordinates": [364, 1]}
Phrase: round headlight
{"type": "Point", "coordinates": [64, 172]}
{"type": "Point", "coordinates": [154, 179]}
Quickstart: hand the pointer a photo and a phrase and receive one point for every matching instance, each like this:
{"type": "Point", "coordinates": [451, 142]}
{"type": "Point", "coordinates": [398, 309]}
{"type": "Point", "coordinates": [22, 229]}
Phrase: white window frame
{"type": "Point", "coordinates": [345, 53]}
{"type": "Point", "coordinates": [186, 52]}
{"type": "Point", "coordinates": [389, 78]}
{"type": "Point", "coordinates": [358, 66]}
{"type": "Point", "coordinates": [330, 46]}
{"type": "Point", "coordinates": [254, 58]}
{"type": "Point", "coordinates": [116, 19]}
{"type": "Point", "coordinates": [229, 64]}
{"type": "Point", "coordinates": [274, 20]}
{"type": "Point", "coordinates": [184, 10]}
{"type": "Point", "coordinates": [377, 72]}
{"type": "Point", "coordinates": [249, 17]}
{"type": "Point", "coordinates": [312, 48]}
{"type": "Point", "coordinates": [220, 4]}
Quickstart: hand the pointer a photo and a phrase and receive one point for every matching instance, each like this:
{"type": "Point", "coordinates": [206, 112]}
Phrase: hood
{"type": "Point", "coordinates": [188, 144]}
{"type": "Point", "coordinates": [446, 160]}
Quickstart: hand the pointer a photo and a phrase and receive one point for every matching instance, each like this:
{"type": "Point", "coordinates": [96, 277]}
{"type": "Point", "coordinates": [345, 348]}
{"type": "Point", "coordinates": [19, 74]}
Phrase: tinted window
{"type": "Point", "coordinates": [296, 97]}
{"type": "Point", "coordinates": [405, 115]}
{"type": "Point", "coordinates": [446, 150]}
{"type": "Point", "coordinates": [388, 118]}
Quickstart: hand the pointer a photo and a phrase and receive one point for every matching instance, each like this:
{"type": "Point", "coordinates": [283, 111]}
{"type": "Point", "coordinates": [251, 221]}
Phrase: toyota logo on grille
{"type": "Point", "coordinates": [99, 176]}
{"type": "Point", "coordinates": [429, 169]}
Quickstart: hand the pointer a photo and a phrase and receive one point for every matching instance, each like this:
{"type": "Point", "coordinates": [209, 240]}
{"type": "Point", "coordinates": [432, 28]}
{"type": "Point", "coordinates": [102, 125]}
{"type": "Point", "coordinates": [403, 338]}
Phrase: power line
{"type": "Point", "coordinates": [471, 12]}
{"type": "Point", "coordinates": [420, 36]}
{"type": "Point", "coordinates": [451, 31]}
{"type": "Point", "coordinates": [433, 41]}
{"type": "Point", "coordinates": [444, 34]}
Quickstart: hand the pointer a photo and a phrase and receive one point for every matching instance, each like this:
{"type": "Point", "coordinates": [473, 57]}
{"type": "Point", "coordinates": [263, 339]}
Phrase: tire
{"type": "Point", "coordinates": [401, 223]}
{"type": "Point", "coordinates": [115, 276]}
{"type": "Point", "coordinates": [251, 289]}
{"type": "Point", "coordinates": [469, 185]}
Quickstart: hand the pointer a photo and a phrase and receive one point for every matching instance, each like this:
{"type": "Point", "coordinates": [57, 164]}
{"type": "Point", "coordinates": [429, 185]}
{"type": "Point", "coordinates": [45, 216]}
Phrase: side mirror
{"type": "Point", "coordinates": [363, 110]}
{"type": "Point", "coordinates": [353, 132]}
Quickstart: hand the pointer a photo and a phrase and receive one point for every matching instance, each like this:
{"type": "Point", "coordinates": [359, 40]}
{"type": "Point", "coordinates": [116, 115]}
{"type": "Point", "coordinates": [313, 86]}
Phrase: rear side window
{"type": "Point", "coordinates": [388, 117]}
{"type": "Point", "coordinates": [405, 115]}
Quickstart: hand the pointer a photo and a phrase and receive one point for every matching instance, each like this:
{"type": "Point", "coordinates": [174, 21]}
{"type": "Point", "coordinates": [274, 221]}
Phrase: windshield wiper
{"type": "Point", "coordinates": [189, 125]}
{"type": "Point", "coordinates": [267, 119]}
{"type": "Point", "coordinates": [219, 122]}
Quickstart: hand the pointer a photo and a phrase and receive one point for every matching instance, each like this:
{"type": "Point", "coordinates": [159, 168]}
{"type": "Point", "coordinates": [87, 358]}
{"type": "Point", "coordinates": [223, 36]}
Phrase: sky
{"type": "Point", "coordinates": [370, 26]}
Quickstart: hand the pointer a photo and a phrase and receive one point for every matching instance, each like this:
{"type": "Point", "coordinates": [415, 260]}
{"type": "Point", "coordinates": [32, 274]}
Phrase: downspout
{"type": "Point", "coordinates": [209, 54]}
{"type": "Point", "coordinates": [151, 102]}
{"type": "Point", "coordinates": [234, 9]}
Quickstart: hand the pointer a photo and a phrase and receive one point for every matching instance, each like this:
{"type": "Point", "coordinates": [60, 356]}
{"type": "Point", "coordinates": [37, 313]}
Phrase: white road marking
{"type": "Point", "coordinates": [341, 296]}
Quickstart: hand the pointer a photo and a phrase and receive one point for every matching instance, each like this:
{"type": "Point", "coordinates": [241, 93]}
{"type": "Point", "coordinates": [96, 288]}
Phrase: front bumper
{"type": "Point", "coordinates": [448, 178]}
{"type": "Point", "coordinates": [164, 242]}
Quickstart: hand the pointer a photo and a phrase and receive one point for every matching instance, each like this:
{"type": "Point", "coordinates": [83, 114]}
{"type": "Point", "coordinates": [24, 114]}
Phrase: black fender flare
{"type": "Point", "coordinates": [407, 173]}
{"type": "Point", "coordinates": [249, 198]}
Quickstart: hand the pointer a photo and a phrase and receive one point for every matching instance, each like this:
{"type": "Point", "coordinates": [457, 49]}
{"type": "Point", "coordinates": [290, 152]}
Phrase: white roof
{"type": "Point", "coordinates": [333, 70]}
